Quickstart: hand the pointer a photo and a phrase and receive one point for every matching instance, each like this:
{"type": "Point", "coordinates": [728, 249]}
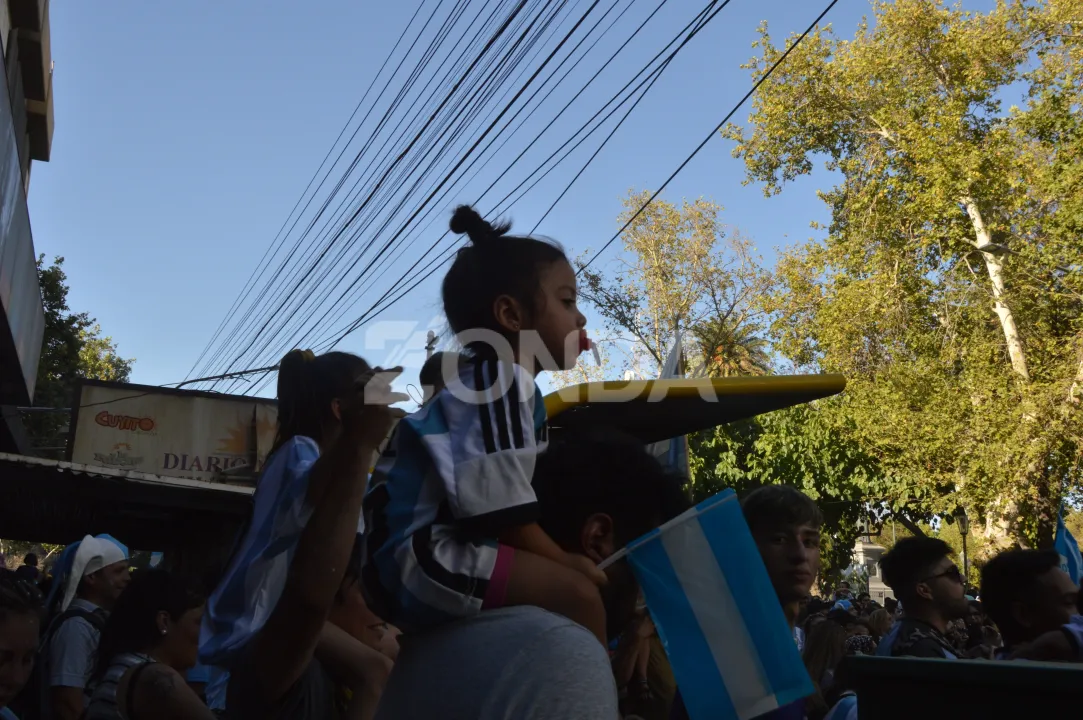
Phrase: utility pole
{"type": "Point", "coordinates": [430, 344]}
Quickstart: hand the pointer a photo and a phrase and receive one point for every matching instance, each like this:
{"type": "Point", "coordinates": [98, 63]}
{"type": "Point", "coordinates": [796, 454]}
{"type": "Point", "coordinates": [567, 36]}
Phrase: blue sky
{"type": "Point", "coordinates": [185, 132]}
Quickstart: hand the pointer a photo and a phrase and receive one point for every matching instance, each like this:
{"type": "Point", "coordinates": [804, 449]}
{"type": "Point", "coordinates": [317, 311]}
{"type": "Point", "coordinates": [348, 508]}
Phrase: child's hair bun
{"type": "Point", "coordinates": [467, 221]}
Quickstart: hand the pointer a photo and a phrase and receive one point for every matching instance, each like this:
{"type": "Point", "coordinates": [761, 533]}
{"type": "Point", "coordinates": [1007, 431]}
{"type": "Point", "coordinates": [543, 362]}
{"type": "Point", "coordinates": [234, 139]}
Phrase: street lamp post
{"type": "Point", "coordinates": [964, 530]}
{"type": "Point", "coordinates": [430, 344]}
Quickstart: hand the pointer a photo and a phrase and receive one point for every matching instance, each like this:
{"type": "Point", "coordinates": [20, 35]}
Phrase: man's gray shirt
{"type": "Point", "coordinates": [73, 650]}
{"type": "Point", "coordinates": [517, 663]}
{"type": "Point", "coordinates": [72, 653]}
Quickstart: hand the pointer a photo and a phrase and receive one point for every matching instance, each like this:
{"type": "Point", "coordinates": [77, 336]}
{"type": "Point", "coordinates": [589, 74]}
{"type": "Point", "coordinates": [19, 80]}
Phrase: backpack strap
{"type": "Point", "coordinates": [129, 695]}
{"type": "Point", "coordinates": [35, 694]}
{"type": "Point", "coordinates": [96, 618]}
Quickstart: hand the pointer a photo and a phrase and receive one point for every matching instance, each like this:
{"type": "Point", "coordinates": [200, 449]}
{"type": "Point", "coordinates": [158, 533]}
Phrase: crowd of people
{"type": "Point", "coordinates": [460, 577]}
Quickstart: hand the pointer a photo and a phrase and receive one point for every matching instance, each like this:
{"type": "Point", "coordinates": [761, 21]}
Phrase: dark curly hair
{"type": "Point", "coordinates": [904, 565]}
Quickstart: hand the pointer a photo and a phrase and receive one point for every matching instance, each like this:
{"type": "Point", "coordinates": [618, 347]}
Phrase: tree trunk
{"type": "Point", "coordinates": [1075, 392]}
{"type": "Point", "coordinates": [995, 266]}
{"type": "Point", "coordinates": [1002, 516]}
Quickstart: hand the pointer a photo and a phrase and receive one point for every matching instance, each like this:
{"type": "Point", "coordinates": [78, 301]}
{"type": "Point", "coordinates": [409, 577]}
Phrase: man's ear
{"type": "Point", "coordinates": [596, 537]}
{"type": "Point", "coordinates": [92, 579]}
{"type": "Point", "coordinates": [336, 409]}
{"type": "Point", "coordinates": [1020, 613]}
{"type": "Point", "coordinates": [924, 591]}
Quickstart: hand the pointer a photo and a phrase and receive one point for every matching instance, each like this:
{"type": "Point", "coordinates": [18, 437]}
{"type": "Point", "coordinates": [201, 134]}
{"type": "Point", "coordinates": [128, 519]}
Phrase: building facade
{"type": "Point", "coordinates": [867, 555]}
{"type": "Point", "coordinates": [26, 132]}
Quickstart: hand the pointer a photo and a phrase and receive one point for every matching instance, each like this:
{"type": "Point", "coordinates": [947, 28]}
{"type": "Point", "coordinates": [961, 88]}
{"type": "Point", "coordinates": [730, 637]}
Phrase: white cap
{"type": "Point", "coordinates": [93, 554]}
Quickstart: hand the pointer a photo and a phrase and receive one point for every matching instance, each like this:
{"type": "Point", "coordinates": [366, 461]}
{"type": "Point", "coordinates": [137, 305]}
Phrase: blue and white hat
{"type": "Point", "coordinates": [91, 555]}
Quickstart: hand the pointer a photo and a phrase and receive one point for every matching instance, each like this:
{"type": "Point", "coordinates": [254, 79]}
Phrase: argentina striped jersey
{"type": "Point", "coordinates": [455, 475]}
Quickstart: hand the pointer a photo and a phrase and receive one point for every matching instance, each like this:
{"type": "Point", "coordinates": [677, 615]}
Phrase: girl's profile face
{"type": "Point", "coordinates": [558, 320]}
{"type": "Point", "coordinates": [182, 639]}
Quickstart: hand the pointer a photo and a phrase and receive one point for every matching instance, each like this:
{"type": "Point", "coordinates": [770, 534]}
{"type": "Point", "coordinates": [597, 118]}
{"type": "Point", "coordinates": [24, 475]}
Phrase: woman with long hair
{"type": "Point", "coordinates": [266, 621]}
{"type": "Point", "coordinates": [825, 648]}
{"type": "Point", "coordinates": [150, 640]}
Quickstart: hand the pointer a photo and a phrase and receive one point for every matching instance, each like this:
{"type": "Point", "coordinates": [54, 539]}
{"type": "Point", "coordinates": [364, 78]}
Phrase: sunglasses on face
{"type": "Point", "coordinates": [952, 573]}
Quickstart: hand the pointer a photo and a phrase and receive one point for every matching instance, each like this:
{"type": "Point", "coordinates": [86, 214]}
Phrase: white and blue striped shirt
{"type": "Point", "coordinates": [455, 474]}
{"type": "Point", "coordinates": [253, 583]}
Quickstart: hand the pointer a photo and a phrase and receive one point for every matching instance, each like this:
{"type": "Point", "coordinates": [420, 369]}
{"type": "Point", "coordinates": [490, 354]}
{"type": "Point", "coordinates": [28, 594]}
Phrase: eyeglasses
{"type": "Point", "coordinates": [952, 573]}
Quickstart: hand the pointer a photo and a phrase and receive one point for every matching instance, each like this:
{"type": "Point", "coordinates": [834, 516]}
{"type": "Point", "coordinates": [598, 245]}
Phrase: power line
{"type": "Point", "coordinates": [402, 244]}
{"type": "Point", "coordinates": [257, 273]}
{"type": "Point", "coordinates": [698, 19]}
{"type": "Point", "coordinates": [361, 228]}
{"type": "Point", "coordinates": [449, 21]}
{"type": "Point", "coordinates": [404, 172]}
{"type": "Point", "coordinates": [713, 132]}
{"type": "Point", "coordinates": [696, 25]}
{"type": "Point", "coordinates": [431, 151]}
{"type": "Point", "coordinates": [657, 75]}
{"type": "Point", "coordinates": [383, 177]}
{"type": "Point", "coordinates": [402, 229]}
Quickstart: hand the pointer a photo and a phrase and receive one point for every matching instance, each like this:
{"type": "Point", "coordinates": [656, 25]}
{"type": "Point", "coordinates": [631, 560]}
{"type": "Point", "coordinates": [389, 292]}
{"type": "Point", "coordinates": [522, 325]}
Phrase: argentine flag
{"type": "Point", "coordinates": [1068, 549]}
{"type": "Point", "coordinates": [730, 647]}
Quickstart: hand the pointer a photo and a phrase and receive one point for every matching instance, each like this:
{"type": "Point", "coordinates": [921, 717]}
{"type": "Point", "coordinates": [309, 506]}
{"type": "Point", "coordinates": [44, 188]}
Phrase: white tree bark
{"type": "Point", "coordinates": [995, 267]}
{"type": "Point", "coordinates": [1075, 392]}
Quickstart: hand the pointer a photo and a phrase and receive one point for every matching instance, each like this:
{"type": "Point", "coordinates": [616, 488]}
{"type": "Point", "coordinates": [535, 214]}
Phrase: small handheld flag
{"type": "Point", "coordinates": [1068, 549]}
{"type": "Point", "coordinates": [716, 612]}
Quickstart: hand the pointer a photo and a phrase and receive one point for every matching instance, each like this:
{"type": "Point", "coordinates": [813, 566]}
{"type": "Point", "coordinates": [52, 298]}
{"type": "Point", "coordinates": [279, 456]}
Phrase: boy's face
{"type": "Point", "coordinates": [792, 556]}
{"type": "Point", "coordinates": [1050, 604]}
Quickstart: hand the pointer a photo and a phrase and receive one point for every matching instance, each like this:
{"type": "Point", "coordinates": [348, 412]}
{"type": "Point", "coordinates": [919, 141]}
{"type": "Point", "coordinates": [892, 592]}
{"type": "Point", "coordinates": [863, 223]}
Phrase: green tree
{"type": "Point", "coordinates": [799, 446]}
{"type": "Point", "coordinates": [948, 286]}
{"type": "Point", "coordinates": [15, 550]}
{"type": "Point", "coordinates": [1073, 520]}
{"type": "Point", "coordinates": [72, 349]}
{"type": "Point", "coordinates": [730, 350]}
{"type": "Point", "coordinates": [682, 271]}
{"type": "Point", "coordinates": [949, 532]}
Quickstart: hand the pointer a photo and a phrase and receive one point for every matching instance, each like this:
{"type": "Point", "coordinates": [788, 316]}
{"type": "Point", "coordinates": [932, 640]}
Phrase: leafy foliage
{"type": "Point", "coordinates": [948, 287]}
{"type": "Point", "coordinates": [72, 349]}
{"type": "Point", "coordinates": [14, 552]}
{"type": "Point", "coordinates": [682, 271]}
{"type": "Point", "coordinates": [800, 447]}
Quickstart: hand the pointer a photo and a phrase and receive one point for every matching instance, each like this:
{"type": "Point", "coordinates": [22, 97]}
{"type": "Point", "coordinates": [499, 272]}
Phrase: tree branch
{"type": "Point", "coordinates": [908, 524]}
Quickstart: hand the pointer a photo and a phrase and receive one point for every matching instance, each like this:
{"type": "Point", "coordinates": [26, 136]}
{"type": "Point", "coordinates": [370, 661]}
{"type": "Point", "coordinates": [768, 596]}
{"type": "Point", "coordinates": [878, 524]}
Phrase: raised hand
{"type": "Point", "coordinates": [367, 414]}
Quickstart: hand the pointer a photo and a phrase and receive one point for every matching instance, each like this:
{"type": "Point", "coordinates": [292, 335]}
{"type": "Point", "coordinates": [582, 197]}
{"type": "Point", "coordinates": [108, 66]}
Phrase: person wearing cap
{"type": "Point", "coordinates": [98, 574]}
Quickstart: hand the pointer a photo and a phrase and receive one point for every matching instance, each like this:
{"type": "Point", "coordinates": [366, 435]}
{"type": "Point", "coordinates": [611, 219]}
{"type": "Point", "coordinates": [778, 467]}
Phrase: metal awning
{"type": "Point", "coordinates": [54, 501]}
